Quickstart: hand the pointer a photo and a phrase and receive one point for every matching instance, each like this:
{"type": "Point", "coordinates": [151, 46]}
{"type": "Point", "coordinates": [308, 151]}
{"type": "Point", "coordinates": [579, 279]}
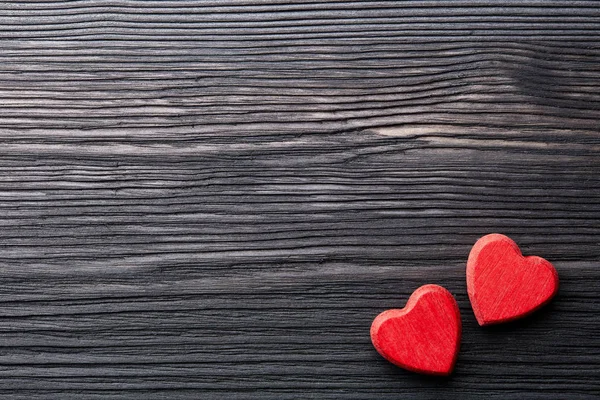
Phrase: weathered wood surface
{"type": "Point", "coordinates": [214, 199]}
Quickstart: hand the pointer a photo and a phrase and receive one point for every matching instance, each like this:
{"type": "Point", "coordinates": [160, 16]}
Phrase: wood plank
{"type": "Point", "coordinates": [214, 199]}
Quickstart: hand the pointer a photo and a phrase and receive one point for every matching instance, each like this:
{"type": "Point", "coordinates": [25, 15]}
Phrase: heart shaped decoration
{"type": "Point", "coordinates": [503, 285]}
{"type": "Point", "coordinates": [422, 337]}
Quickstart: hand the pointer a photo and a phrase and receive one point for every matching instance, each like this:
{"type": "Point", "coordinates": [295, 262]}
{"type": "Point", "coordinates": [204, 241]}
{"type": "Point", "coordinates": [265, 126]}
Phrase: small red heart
{"type": "Point", "coordinates": [422, 337]}
{"type": "Point", "coordinates": [503, 285]}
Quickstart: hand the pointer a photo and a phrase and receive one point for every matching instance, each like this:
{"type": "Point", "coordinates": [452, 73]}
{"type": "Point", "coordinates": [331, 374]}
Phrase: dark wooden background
{"type": "Point", "coordinates": [213, 199]}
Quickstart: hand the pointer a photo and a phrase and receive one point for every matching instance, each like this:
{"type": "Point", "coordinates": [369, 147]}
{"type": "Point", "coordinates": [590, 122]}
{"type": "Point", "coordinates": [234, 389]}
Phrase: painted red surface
{"type": "Point", "coordinates": [422, 337]}
{"type": "Point", "coordinates": [502, 284]}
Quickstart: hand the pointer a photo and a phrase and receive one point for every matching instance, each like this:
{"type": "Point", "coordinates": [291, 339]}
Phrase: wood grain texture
{"type": "Point", "coordinates": [214, 199]}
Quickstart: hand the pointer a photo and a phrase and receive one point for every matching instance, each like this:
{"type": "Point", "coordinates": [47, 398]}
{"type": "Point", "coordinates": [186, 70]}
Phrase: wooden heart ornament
{"type": "Point", "coordinates": [503, 285]}
{"type": "Point", "coordinates": [422, 337]}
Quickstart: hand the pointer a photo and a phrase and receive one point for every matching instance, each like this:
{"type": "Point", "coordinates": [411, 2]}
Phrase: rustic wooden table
{"type": "Point", "coordinates": [213, 199]}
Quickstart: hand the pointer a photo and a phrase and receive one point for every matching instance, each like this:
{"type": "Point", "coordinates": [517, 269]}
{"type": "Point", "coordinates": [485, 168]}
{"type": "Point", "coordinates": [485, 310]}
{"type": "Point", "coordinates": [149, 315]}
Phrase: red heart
{"type": "Point", "coordinates": [503, 285]}
{"type": "Point", "coordinates": [422, 337]}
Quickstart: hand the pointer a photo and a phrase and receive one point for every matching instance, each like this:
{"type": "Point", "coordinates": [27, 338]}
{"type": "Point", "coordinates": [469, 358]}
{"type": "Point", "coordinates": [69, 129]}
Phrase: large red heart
{"type": "Point", "coordinates": [422, 337]}
{"type": "Point", "coordinates": [503, 285]}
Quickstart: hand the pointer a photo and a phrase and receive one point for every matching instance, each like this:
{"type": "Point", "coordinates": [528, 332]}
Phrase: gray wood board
{"type": "Point", "coordinates": [214, 199]}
